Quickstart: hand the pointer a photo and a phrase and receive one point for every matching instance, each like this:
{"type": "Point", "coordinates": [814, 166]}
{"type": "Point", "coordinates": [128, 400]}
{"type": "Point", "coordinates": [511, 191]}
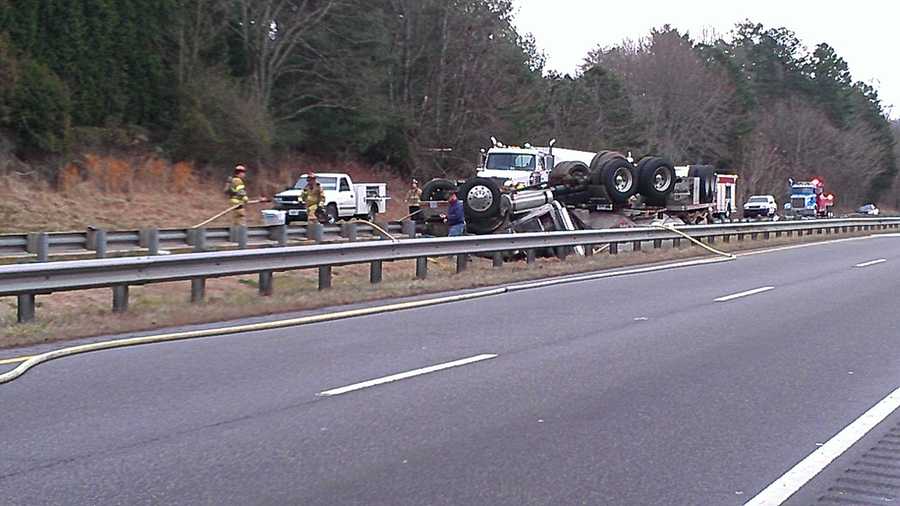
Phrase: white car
{"type": "Point", "coordinates": [760, 206]}
{"type": "Point", "coordinates": [343, 198]}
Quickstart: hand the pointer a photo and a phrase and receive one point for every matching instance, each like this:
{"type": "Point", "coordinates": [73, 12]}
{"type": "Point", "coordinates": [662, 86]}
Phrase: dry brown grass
{"type": "Point", "coordinates": [134, 192]}
{"type": "Point", "coordinates": [88, 313]}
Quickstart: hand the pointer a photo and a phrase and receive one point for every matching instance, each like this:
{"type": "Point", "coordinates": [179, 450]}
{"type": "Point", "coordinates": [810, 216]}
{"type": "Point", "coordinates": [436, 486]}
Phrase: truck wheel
{"type": "Point", "coordinates": [481, 198]}
{"type": "Point", "coordinates": [707, 176]}
{"type": "Point", "coordinates": [437, 189]}
{"type": "Point", "coordinates": [618, 175]}
{"type": "Point", "coordinates": [575, 173]}
{"type": "Point", "coordinates": [600, 160]}
{"type": "Point", "coordinates": [656, 178]}
{"type": "Point", "coordinates": [331, 213]}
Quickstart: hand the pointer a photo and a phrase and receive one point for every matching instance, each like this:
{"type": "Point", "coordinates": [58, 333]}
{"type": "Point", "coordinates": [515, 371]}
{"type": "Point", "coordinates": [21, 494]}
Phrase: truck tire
{"type": "Point", "coordinates": [481, 199]}
{"type": "Point", "coordinates": [619, 177]}
{"type": "Point", "coordinates": [437, 189]}
{"type": "Point", "coordinates": [601, 158]}
{"type": "Point", "coordinates": [331, 214]}
{"type": "Point", "coordinates": [574, 173]}
{"type": "Point", "coordinates": [707, 176]}
{"type": "Point", "coordinates": [656, 179]}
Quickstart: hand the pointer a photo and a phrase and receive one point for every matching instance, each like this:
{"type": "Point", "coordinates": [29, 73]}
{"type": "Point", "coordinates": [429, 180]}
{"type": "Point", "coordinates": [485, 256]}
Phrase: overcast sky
{"type": "Point", "coordinates": [864, 33]}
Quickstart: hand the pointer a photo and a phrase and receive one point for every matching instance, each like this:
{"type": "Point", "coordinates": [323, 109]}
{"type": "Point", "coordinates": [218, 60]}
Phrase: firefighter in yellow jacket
{"type": "Point", "coordinates": [313, 197]}
{"type": "Point", "coordinates": [237, 195]}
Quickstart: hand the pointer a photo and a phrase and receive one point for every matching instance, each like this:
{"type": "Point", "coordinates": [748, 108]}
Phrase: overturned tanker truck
{"type": "Point", "coordinates": [533, 189]}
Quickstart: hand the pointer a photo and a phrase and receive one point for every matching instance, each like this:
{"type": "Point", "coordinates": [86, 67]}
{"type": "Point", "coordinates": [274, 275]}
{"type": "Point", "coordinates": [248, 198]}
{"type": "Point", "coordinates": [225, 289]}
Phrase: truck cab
{"type": "Point", "coordinates": [512, 165]}
{"type": "Point", "coordinates": [343, 198]}
{"type": "Point", "coordinates": [808, 200]}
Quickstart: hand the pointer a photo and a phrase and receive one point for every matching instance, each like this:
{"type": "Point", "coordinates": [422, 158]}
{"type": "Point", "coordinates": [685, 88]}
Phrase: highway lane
{"type": "Point", "coordinates": [633, 390]}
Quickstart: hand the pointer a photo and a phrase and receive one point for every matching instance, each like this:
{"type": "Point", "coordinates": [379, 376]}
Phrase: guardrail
{"type": "Point", "coordinates": [26, 281]}
{"type": "Point", "coordinates": [42, 246]}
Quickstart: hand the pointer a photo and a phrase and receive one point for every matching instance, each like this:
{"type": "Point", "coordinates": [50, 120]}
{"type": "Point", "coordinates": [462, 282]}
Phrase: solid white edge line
{"type": "Point", "coordinates": [873, 262]}
{"type": "Point", "coordinates": [406, 375]}
{"type": "Point", "coordinates": [799, 475]}
{"type": "Point", "coordinates": [745, 294]}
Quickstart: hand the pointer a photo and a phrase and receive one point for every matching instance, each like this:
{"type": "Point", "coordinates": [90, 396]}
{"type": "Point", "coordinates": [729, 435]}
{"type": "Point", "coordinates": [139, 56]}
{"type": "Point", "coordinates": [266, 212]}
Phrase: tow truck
{"type": "Point", "coordinates": [809, 200]}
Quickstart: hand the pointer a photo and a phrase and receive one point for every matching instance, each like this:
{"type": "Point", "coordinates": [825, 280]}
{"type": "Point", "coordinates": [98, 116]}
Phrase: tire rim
{"type": "Point", "coordinates": [623, 180]}
{"type": "Point", "coordinates": [661, 180]}
{"type": "Point", "coordinates": [480, 198]}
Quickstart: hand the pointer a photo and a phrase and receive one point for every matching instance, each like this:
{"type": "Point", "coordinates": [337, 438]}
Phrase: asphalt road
{"type": "Point", "coordinates": [631, 390]}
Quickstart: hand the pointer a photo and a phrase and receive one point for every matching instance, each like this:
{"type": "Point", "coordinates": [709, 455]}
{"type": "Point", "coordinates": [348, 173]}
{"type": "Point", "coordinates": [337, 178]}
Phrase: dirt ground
{"type": "Point", "coordinates": [70, 315]}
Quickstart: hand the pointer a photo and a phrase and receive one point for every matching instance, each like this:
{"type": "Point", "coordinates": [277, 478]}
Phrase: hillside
{"type": "Point", "coordinates": [126, 193]}
{"type": "Point", "coordinates": [419, 86]}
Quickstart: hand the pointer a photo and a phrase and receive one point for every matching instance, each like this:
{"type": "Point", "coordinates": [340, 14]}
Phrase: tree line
{"type": "Point", "coordinates": [419, 85]}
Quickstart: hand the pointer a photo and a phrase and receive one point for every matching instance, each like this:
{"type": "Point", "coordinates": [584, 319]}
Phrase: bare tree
{"type": "Point", "coordinates": [272, 32]}
{"type": "Point", "coordinates": [686, 104]}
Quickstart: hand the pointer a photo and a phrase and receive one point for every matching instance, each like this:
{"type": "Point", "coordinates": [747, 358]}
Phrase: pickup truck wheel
{"type": "Point", "coordinates": [618, 175]}
{"type": "Point", "coordinates": [437, 189]}
{"type": "Point", "coordinates": [481, 198]}
{"type": "Point", "coordinates": [656, 178]}
{"type": "Point", "coordinates": [331, 213]}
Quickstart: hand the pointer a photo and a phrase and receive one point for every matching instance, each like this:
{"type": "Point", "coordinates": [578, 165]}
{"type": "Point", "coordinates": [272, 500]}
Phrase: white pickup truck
{"type": "Point", "coordinates": [343, 199]}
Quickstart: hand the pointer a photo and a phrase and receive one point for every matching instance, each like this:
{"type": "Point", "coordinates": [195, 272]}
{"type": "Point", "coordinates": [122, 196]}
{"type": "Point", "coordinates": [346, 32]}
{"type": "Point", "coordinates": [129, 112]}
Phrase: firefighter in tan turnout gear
{"type": "Point", "coordinates": [237, 195]}
{"type": "Point", "coordinates": [313, 197]}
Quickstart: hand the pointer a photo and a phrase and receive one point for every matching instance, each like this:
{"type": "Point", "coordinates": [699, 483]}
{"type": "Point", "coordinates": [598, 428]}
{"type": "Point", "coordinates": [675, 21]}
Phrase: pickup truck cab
{"type": "Point", "coordinates": [343, 199]}
{"type": "Point", "coordinates": [763, 206]}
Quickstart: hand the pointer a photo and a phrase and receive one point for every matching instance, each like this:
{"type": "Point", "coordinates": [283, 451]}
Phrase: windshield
{"type": "Point", "coordinates": [510, 161]}
{"type": "Point", "coordinates": [759, 199]}
{"type": "Point", "coordinates": [327, 183]}
{"type": "Point", "coordinates": [800, 190]}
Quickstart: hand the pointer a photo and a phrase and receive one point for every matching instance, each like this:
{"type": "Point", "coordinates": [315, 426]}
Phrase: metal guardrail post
{"type": "Point", "coordinates": [613, 248]}
{"type": "Point", "coordinates": [25, 307]}
{"type": "Point", "coordinates": [711, 239]}
{"type": "Point", "coordinates": [349, 231]}
{"type": "Point", "coordinates": [767, 236]}
{"type": "Point", "coordinates": [266, 283]}
{"type": "Point", "coordinates": [100, 244]}
{"type": "Point", "coordinates": [120, 298]}
{"type": "Point", "coordinates": [238, 235]}
{"type": "Point", "coordinates": [530, 256]}
{"type": "Point", "coordinates": [636, 246]}
{"type": "Point", "coordinates": [657, 243]}
{"type": "Point", "coordinates": [726, 239]}
{"type": "Point", "coordinates": [562, 253]}
{"type": "Point", "coordinates": [324, 277]}
{"type": "Point", "coordinates": [421, 267]}
{"type": "Point", "coordinates": [588, 250]}
{"type": "Point", "coordinates": [278, 234]}
{"type": "Point", "coordinates": [150, 240]}
{"type": "Point", "coordinates": [754, 236]}
{"type": "Point", "coordinates": [39, 245]}
{"type": "Point", "coordinates": [198, 290]}
{"type": "Point", "coordinates": [375, 272]}
{"type": "Point", "coordinates": [197, 238]}
{"type": "Point", "coordinates": [315, 232]}
{"type": "Point", "coordinates": [676, 243]}
{"type": "Point", "coordinates": [462, 261]}
{"type": "Point", "coordinates": [497, 258]}
{"type": "Point", "coordinates": [409, 228]}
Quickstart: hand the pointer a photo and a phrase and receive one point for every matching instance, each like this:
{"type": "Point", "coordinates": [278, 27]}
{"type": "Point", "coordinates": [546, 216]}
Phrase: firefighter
{"type": "Point", "coordinates": [237, 195]}
{"type": "Point", "coordinates": [313, 197]}
{"type": "Point", "coordinates": [414, 198]}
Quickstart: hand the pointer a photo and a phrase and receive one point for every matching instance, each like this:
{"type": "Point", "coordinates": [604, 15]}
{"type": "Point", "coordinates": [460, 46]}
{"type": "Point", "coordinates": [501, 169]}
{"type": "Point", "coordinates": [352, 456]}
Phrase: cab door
{"type": "Point", "coordinates": [346, 197]}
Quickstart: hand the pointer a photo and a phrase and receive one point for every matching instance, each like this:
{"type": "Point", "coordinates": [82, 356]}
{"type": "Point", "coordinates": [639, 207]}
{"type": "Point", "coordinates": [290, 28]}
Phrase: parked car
{"type": "Point", "coordinates": [343, 199]}
{"type": "Point", "coordinates": [760, 206]}
{"type": "Point", "coordinates": [869, 210]}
